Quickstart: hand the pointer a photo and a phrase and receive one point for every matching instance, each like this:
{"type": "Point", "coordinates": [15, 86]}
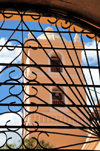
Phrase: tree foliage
{"type": "Point", "coordinates": [30, 144]}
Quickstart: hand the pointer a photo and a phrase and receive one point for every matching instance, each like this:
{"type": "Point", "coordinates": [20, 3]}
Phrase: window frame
{"type": "Point", "coordinates": [60, 102]}
{"type": "Point", "coordinates": [57, 62]}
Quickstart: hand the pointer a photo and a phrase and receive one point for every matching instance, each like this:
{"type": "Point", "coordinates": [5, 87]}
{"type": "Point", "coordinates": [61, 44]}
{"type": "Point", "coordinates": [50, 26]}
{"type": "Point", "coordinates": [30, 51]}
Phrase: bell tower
{"type": "Point", "coordinates": [51, 75]}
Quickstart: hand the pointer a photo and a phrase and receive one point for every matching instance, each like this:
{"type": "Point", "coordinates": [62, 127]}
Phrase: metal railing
{"type": "Point", "coordinates": [26, 82]}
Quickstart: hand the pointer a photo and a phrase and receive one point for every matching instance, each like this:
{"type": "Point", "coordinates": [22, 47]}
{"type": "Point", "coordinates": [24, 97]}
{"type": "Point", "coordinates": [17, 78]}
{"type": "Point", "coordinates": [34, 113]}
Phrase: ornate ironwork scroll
{"type": "Point", "coordinates": [49, 82]}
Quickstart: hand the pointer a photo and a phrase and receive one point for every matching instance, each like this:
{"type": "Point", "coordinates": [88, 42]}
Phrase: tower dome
{"type": "Point", "coordinates": [50, 35]}
{"type": "Point", "coordinates": [48, 29]}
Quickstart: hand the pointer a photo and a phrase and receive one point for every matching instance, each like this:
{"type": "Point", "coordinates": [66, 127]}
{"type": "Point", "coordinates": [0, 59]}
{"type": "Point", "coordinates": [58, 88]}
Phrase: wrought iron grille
{"type": "Point", "coordinates": [49, 82]}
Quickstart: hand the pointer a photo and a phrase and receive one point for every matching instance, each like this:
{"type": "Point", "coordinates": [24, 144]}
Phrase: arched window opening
{"type": "Point", "coordinates": [57, 97]}
{"type": "Point", "coordinates": [55, 62]}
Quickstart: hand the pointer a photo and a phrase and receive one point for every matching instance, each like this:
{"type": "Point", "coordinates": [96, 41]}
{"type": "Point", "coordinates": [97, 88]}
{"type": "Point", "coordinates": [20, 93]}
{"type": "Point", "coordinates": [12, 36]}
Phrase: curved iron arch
{"type": "Point", "coordinates": [93, 116]}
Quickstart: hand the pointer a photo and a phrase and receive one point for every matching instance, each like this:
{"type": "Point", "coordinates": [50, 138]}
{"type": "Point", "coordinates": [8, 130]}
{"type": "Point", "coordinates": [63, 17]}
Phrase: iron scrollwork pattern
{"type": "Point", "coordinates": [30, 79]}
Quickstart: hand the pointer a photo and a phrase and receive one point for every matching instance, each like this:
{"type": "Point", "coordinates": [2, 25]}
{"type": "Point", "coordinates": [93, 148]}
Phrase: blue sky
{"type": "Point", "coordinates": [7, 56]}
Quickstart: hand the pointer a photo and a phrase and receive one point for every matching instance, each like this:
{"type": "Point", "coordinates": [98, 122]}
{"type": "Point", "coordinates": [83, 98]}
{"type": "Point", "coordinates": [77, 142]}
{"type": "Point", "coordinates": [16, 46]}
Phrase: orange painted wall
{"type": "Point", "coordinates": [39, 57]}
{"type": "Point", "coordinates": [94, 145]}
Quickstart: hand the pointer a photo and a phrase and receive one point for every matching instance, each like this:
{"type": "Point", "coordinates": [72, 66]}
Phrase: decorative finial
{"type": "Point", "coordinates": [76, 38]}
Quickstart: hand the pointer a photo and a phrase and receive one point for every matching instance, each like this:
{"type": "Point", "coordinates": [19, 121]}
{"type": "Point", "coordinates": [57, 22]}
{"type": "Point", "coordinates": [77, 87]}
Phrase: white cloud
{"type": "Point", "coordinates": [6, 56]}
{"type": "Point", "coordinates": [96, 80]}
{"type": "Point", "coordinates": [95, 76]}
{"type": "Point", "coordinates": [92, 59]}
{"type": "Point", "coordinates": [14, 120]}
{"type": "Point", "coordinates": [91, 54]}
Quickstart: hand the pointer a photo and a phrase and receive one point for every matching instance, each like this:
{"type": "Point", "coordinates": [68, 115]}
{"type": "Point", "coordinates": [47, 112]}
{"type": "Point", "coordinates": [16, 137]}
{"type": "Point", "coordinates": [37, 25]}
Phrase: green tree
{"type": "Point", "coordinates": [12, 146]}
{"type": "Point", "coordinates": [31, 143]}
